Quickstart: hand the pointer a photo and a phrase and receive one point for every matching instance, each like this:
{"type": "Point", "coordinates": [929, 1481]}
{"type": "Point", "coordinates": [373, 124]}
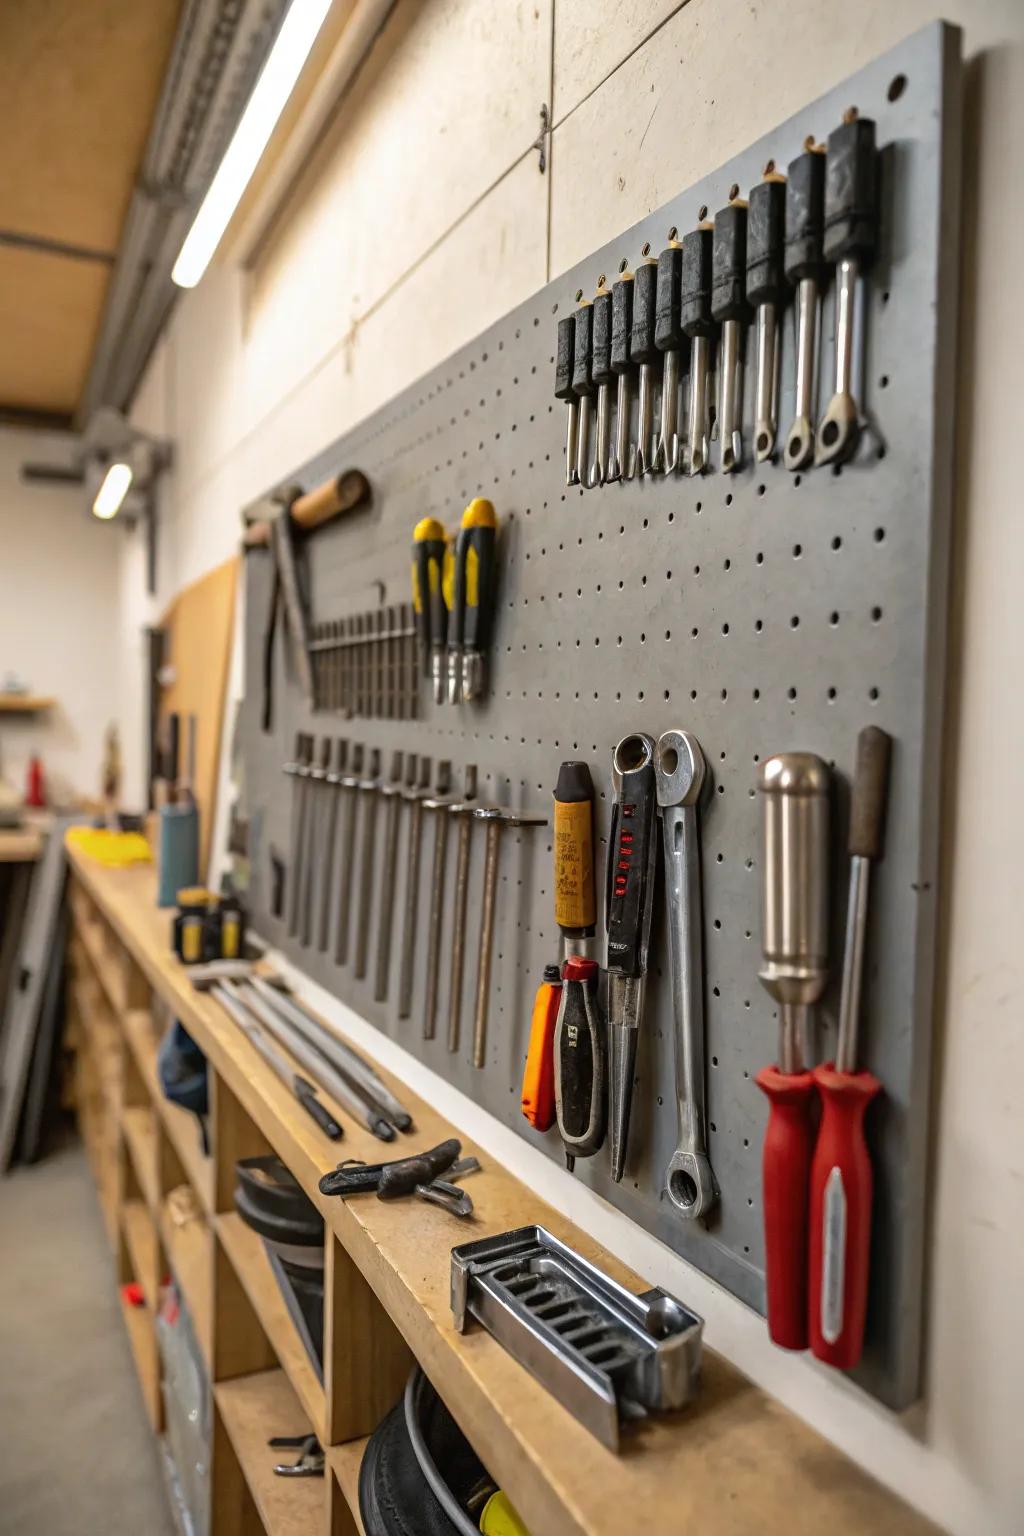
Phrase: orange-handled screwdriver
{"type": "Point", "coordinates": [538, 1098]}
{"type": "Point", "coordinates": [841, 1180]}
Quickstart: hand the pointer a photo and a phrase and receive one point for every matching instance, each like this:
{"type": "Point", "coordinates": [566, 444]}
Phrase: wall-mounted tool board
{"type": "Point", "coordinates": [762, 611]}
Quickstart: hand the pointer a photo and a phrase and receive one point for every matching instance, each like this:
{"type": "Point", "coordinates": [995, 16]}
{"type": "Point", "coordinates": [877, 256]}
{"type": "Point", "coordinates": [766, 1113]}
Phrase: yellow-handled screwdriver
{"type": "Point", "coordinates": [472, 618]}
{"type": "Point", "coordinates": [428, 598]}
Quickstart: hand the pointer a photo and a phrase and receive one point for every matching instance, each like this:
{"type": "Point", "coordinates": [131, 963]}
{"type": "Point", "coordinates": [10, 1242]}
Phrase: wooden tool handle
{"type": "Point", "coordinates": [342, 493]}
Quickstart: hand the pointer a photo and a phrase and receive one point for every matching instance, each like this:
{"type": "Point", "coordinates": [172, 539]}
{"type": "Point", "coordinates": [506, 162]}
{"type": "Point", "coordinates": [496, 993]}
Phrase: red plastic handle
{"type": "Point", "coordinates": [786, 1163]}
{"type": "Point", "coordinates": [840, 1236]}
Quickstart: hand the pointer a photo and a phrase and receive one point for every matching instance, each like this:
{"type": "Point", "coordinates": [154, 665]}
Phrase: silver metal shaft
{"type": "Point", "coordinates": [618, 464]}
{"type": "Point", "coordinates": [667, 455]}
{"type": "Point", "coordinates": [840, 426]}
{"type": "Point", "coordinates": [800, 442]}
{"type": "Point", "coordinates": [464, 811]}
{"type": "Point", "coordinates": [332, 790]}
{"type": "Point", "coordinates": [412, 901]}
{"type": "Point", "coordinates": [572, 424]}
{"type": "Point", "coordinates": [300, 789]}
{"type": "Point", "coordinates": [642, 456]}
{"type": "Point", "coordinates": [392, 793]}
{"type": "Point", "coordinates": [794, 788]}
{"type": "Point", "coordinates": [766, 401]}
{"type": "Point", "coordinates": [495, 827]}
{"type": "Point", "coordinates": [338, 1051]}
{"type": "Point", "coordinates": [599, 470]}
{"type": "Point", "coordinates": [853, 964]}
{"type": "Point", "coordinates": [348, 788]}
{"type": "Point", "coordinates": [583, 444]}
{"type": "Point", "coordinates": [435, 922]}
{"type": "Point", "coordinates": [625, 1010]}
{"type": "Point", "coordinates": [729, 386]}
{"type": "Point", "coordinates": [368, 790]}
{"type": "Point", "coordinates": [700, 367]}
{"type": "Point", "coordinates": [313, 858]}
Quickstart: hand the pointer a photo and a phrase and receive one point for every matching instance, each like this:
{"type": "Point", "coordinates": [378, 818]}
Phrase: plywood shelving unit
{"type": "Point", "coordinates": [736, 1462]}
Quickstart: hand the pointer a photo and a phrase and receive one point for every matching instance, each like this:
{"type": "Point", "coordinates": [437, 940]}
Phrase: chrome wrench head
{"type": "Point", "coordinates": [680, 772]}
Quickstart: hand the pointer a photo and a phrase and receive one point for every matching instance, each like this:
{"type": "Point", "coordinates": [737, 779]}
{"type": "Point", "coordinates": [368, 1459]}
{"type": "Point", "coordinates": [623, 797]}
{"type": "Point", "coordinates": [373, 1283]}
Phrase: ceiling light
{"type": "Point", "coordinates": [270, 93]}
{"type": "Point", "coordinates": [113, 491]}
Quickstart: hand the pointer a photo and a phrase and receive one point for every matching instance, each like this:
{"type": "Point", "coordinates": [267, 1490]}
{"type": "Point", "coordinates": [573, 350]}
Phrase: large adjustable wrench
{"type": "Point", "coordinates": [679, 774]}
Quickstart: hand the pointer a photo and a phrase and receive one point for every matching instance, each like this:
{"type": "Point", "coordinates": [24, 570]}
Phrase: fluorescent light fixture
{"type": "Point", "coordinates": [270, 93]}
{"type": "Point", "coordinates": [113, 491]}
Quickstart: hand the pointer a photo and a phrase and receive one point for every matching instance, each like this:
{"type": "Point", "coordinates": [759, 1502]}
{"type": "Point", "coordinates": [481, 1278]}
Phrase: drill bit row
{"type": "Point", "coordinates": [337, 795]}
{"type": "Point", "coordinates": [366, 664]}
{"type": "Point", "coordinates": [694, 303]}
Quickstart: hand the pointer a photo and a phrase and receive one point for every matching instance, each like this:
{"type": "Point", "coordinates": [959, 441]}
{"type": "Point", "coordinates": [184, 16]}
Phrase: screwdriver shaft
{"type": "Point", "coordinates": [572, 422]}
{"type": "Point", "coordinates": [583, 444]}
{"type": "Point", "coordinates": [412, 894]}
{"type": "Point", "coordinates": [700, 365]}
{"type": "Point", "coordinates": [732, 441]}
{"type": "Point", "coordinates": [459, 931]}
{"type": "Point", "coordinates": [623, 405]}
{"type": "Point", "coordinates": [800, 442]}
{"type": "Point", "coordinates": [645, 411]}
{"type": "Point", "coordinates": [483, 978]}
{"type": "Point", "coordinates": [436, 922]}
{"type": "Point", "coordinates": [669, 444]}
{"type": "Point", "coordinates": [599, 473]}
{"type": "Point", "coordinates": [765, 412]}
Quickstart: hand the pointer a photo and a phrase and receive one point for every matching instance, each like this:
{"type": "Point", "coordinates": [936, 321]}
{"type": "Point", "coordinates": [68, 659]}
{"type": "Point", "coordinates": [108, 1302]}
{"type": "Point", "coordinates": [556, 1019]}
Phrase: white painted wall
{"type": "Point", "coordinates": [421, 219]}
{"type": "Point", "coordinates": [59, 580]}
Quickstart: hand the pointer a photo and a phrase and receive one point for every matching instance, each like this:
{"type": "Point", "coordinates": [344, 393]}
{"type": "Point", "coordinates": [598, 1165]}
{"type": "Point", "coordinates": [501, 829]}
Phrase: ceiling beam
{"type": "Point", "coordinates": [49, 247]}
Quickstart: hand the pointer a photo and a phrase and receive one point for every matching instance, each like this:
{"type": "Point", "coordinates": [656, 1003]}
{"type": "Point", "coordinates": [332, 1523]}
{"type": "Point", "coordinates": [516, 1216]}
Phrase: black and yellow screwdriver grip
{"type": "Point", "coordinates": [428, 597]}
{"type": "Point", "coordinates": [475, 570]}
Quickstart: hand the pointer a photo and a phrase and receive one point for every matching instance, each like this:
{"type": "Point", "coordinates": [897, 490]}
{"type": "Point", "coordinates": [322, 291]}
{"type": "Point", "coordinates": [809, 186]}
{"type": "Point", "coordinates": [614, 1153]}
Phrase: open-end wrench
{"type": "Point", "coordinates": [680, 772]}
{"type": "Point", "coordinates": [496, 820]}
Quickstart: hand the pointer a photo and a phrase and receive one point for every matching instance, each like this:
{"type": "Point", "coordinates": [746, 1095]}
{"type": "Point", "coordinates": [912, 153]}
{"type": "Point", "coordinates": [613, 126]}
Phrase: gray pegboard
{"type": "Point", "coordinates": [762, 611]}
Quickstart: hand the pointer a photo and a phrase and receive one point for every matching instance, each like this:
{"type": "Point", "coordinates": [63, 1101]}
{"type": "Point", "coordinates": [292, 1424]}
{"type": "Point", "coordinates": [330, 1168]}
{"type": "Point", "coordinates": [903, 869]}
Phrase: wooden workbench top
{"type": "Point", "coordinates": [734, 1464]}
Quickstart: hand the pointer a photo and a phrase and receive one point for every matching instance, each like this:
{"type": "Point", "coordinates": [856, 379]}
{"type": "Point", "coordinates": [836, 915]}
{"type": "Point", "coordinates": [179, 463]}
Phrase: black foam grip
{"type": "Point", "coordinates": [601, 371]}
{"type": "Point", "coordinates": [851, 191]}
{"type": "Point", "coordinates": [565, 354]}
{"type": "Point", "coordinates": [582, 375]}
{"type": "Point", "coordinates": [580, 1061]}
{"type": "Point", "coordinates": [668, 328]}
{"type": "Point", "coordinates": [645, 286]}
{"type": "Point", "coordinates": [766, 224]}
{"type": "Point", "coordinates": [729, 263]}
{"type": "Point", "coordinates": [805, 216]}
{"type": "Point", "coordinates": [401, 1178]}
{"type": "Point", "coordinates": [622, 324]}
{"type": "Point", "coordinates": [695, 283]}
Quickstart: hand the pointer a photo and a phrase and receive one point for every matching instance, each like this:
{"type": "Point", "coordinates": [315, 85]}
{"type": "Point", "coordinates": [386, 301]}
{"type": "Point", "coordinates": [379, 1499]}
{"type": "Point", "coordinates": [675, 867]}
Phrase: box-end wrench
{"type": "Point", "coordinates": [496, 820]}
{"type": "Point", "coordinates": [680, 772]}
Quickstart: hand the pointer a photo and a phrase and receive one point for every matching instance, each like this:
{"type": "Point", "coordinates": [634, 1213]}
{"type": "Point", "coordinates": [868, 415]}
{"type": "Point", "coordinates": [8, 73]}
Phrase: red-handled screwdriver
{"type": "Point", "coordinates": [841, 1181]}
{"type": "Point", "coordinates": [795, 793]}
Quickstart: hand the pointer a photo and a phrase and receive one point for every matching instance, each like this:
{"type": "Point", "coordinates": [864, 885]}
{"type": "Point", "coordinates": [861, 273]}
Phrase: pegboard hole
{"type": "Point", "coordinates": [734, 191]}
{"type": "Point", "coordinates": [897, 85]}
{"type": "Point", "coordinates": [646, 248]}
{"type": "Point", "coordinates": [702, 213]}
{"type": "Point", "coordinates": [673, 232]}
{"type": "Point", "coordinates": [879, 535]}
{"type": "Point", "coordinates": [623, 264]}
{"type": "Point", "coordinates": [876, 615]}
{"type": "Point", "coordinates": [883, 382]}
{"type": "Point", "coordinates": [873, 695]}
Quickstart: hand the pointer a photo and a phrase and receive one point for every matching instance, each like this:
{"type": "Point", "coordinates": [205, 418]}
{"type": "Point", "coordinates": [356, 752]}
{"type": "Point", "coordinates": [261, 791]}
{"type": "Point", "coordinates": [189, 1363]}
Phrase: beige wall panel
{"type": "Point", "coordinates": [79, 81]}
{"type": "Point", "coordinates": [449, 99]}
{"type": "Point", "coordinates": [205, 383]}
{"type": "Point", "coordinates": [497, 256]}
{"type": "Point", "coordinates": [592, 37]}
{"type": "Point", "coordinates": [49, 311]}
{"type": "Point", "coordinates": [720, 74]}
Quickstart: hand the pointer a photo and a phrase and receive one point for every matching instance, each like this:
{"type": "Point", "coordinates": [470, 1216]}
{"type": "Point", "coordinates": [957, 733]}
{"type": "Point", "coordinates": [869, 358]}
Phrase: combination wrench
{"type": "Point", "coordinates": [680, 771]}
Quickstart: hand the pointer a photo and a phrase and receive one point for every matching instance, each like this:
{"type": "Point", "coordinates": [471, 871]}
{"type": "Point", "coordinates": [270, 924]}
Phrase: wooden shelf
{"type": "Point", "coordinates": [139, 1131]}
{"type": "Point", "coordinates": [143, 1251]}
{"type": "Point", "coordinates": [189, 1249]}
{"type": "Point", "coordinates": [344, 1462]}
{"type": "Point", "coordinates": [139, 1322]}
{"type": "Point", "coordinates": [253, 1408]}
{"type": "Point", "coordinates": [736, 1460]}
{"type": "Point", "coordinates": [24, 703]}
{"type": "Point", "coordinates": [249, 1260]}
{"type": "Point", "coordinates": [181, 1126]}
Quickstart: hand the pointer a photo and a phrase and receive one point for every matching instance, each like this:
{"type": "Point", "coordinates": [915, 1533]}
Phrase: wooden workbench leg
{"type": "Point", "coordinates": [366, 1360]}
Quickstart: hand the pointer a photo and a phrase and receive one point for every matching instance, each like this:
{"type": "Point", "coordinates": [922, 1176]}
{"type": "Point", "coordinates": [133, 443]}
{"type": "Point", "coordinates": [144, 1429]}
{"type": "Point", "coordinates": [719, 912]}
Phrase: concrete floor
{"type": "Point", "coordinates": [77, 1457]}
